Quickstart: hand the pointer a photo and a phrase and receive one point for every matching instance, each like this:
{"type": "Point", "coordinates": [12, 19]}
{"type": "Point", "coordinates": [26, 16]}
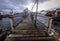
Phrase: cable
{"type": "Point", "coordinates": [33, 5]}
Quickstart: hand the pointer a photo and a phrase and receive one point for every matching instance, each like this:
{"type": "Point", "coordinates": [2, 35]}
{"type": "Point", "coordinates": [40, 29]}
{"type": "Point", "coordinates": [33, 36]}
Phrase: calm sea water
{"type": "Point", "coordinates": [5, 22]}
{"type": "Point", "coordinates": [43, 20]}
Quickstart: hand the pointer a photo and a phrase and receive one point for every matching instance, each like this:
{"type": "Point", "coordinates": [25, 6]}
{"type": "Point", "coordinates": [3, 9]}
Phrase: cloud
{"type": "Point", "coordinates": [40, 1]}
{"type": "Point", "coordinates": [14, 4]}
{"type": "Point", "coordinates": [9, 4]}
{"type": "Point", "coordinates": [48, 4]}
{"type": "Point", "coordinates": [21, 2]}
{"type": "Point", "coordinates": [20, 5]}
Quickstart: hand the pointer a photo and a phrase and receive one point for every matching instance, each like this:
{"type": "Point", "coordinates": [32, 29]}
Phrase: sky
{"type": "Point", "coordinates": [20, 5]}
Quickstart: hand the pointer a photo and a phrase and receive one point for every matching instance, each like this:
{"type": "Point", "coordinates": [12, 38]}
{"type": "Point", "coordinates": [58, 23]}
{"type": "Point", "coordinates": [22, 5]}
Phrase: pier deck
{"type": "Point", "coordinates": [27, 31]}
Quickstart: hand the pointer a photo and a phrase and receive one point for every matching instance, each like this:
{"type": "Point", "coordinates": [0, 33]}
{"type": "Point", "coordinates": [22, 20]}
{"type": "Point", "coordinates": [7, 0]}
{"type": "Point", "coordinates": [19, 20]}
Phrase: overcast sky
{"type": "Point", "coordinates": [20, 5]}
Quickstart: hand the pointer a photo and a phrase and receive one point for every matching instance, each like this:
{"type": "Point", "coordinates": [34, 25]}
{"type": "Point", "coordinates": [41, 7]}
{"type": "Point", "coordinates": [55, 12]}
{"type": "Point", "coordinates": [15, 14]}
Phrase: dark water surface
{"type": "Point", "coordinates": [5, 22]}
{"type": "Point", "coordinates": [55, 24]}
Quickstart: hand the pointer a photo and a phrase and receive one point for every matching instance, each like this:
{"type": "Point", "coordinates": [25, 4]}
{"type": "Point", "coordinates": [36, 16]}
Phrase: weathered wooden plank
{"type": "Point", "coordinates": [26, 30]}
{"type": "Point", "coordinates": [21, 37]}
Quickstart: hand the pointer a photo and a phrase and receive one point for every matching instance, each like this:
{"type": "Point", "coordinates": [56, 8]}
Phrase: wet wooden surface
{"type": "Point", "coordinates": [27, 31]}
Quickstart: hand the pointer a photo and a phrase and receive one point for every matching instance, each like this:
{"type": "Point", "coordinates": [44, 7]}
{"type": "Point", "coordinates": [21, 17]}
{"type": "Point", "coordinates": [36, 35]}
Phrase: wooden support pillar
{"type": "Point", "coordinates": [52, 32]}
{"type": "Point", "coordinates": [49, 24]}
{"type": "Point", "coordinates": [12, 23]}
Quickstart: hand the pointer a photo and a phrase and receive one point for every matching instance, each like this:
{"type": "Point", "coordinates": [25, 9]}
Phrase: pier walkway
{"type": "Point", "coordinates": [27, 31]}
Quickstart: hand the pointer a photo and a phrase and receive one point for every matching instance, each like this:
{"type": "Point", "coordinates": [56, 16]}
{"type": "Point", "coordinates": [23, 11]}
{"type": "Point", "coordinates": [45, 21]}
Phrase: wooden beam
{"type": "Point", "coordinates": [12, 23]}
{"type": "Point", "coordinates": [49, 24]}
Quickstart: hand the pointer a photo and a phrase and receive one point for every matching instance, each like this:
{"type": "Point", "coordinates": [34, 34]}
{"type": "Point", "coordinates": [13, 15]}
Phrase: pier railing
{"type": "Point", "coordinates": [51, 31]}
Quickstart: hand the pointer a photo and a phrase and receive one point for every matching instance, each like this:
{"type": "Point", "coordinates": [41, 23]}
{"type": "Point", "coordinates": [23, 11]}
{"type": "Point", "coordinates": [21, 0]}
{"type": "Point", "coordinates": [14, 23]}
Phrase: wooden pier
{"type": "Point", "coordinates": [27, 31]}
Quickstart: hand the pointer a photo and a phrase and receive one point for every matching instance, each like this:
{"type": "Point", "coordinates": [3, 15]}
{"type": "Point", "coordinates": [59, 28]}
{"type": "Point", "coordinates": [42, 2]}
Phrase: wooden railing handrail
{"type": "Point", "coordinates": [49, 30]}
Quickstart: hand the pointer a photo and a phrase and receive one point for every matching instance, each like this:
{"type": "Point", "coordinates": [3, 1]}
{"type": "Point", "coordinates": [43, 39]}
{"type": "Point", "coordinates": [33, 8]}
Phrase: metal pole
{"type": "Point", "coordinates": [36, 14]}
{"type": "Point", "coordinates": [31, 10]}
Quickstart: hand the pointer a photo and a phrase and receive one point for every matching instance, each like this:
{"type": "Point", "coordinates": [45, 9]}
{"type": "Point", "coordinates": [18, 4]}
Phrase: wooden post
{"type": "Point", "coordinates": [49, 24]}
{"type": "Point", "coordinates": [12, 23]}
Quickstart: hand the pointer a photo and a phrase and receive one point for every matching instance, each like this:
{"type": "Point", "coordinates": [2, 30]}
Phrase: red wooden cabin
{"type": "Point", "coordinates": [55, 13]}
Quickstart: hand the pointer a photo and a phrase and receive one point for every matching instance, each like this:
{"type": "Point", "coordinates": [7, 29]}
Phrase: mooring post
{"type": "Point", "coordinates": [49, 24]}
{"type": "Point", "coordinates": [12, 23]}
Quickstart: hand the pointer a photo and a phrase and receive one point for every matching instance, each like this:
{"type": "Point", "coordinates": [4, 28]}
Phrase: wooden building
{"type": "Point", "coordinates": [55, 13]}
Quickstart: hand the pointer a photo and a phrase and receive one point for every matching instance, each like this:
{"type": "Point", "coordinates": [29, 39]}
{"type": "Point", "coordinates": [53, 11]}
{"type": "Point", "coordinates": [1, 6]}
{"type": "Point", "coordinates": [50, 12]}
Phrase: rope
{"type": "Point", "coordinates": [33, 5]}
